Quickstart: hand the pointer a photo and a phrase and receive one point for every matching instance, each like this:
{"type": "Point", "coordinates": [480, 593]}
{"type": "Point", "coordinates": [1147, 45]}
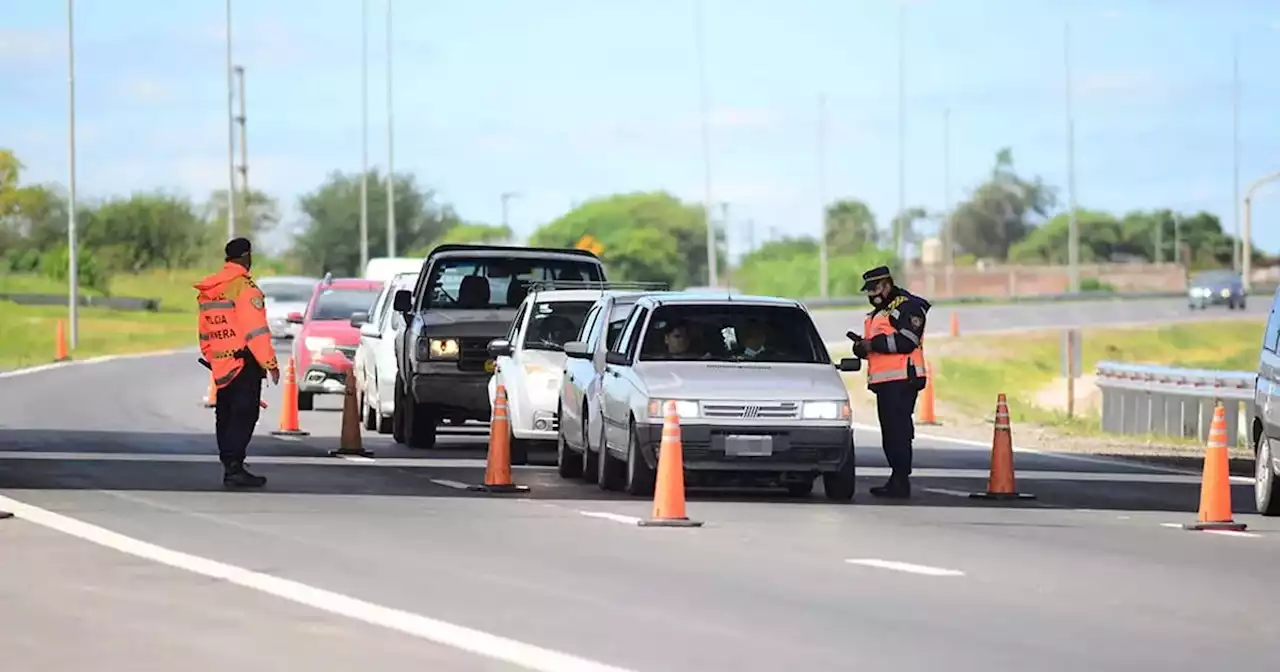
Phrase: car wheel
{"type": "Point", "coordinates": [306, 401]}
{"type": "Point", "coordinates": [519, 449]}
{"type": "Point", "coordinates": [370, 416]}
{"type": "Point", "coordinates": [838, 486]}
{"type": "Point", "coordinates": [398, 419]}
{"type": "Point", "coordinates": [590, 460]}
{"type": "Point", "coordinates": [640, 477]}
{"type": "Point", "coordinates": [384, 424]}
{"type": "Point", "coordinates": [1266, 484]}
{"type": "Point", "coordinates": [800, 488]}
{"type": "Point", "coordinates": [420, 426]}
{"type": "Point", "coordinates": [610, 472]}
{"type": "Point", "coordinates": [568, 464]}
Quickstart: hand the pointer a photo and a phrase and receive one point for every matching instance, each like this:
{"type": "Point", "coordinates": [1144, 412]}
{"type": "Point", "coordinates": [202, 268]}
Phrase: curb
{"type": "Point", "coordinates": [53, 366]}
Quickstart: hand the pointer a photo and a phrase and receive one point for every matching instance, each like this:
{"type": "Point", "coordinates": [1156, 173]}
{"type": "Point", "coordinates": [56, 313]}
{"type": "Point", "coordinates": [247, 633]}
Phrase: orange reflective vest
{"type": "Point", "coordinates": [233, 318]}
{"type": "Point", "coordinates": [885, 367]}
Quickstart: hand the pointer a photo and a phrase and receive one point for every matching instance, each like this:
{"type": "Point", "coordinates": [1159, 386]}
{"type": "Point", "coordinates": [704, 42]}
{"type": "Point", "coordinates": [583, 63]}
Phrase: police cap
{"type": "Point", "coordinates": [237, 248]}
{"type": "Point", "coordinates": [875, 275]}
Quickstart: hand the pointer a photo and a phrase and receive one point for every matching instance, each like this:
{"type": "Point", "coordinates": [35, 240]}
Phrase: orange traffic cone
{"type": "Point", "coordinates": [497, 471]}
{"type": "Point", "coordinates": [668, 493]}
{"type": "Point", "coordinates": [289, 412]}
{"type": "Point", "coordinates": [1215, 486]}
{"type": "Point", "coordinates": [60, 353]}
{"type": "Point", "coordinates": [955, 324]}
{"type": "Point", "coordinates": [1001, 485]}
{"type": "Point", "coordinates": [211, 397]}
{"type": "Point", "coordinates": [350, 442]}
{"type": "Point", "coordinates": [927, 415]}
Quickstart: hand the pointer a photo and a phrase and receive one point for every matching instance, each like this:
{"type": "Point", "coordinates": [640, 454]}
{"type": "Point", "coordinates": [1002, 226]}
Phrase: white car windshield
{"type": "Point", "coordinates": [339, 304]}
{"type": "Point", "coordinates": [293, 292]}
{"type": "Point", "coordinates": [487, 284]}
{"type": "Point", "coordinates": [554, 324]}
{"type": "Point", "coordinates": [732, 333]}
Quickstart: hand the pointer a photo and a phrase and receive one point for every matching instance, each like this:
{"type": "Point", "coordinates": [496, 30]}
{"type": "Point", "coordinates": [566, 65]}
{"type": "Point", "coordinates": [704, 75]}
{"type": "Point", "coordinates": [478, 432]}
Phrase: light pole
{"type": "Point", "coordinates": [1246, 242]}
{"type": "Point", "coordinates": [364, 134]}
{"type": "Point", "coordinates": [902, 130]}
{"type": "Point", "coordinates": [391, 143]}
{"type": "Point", "coordinates": [1073, 231]}
{"type": "Point", "coordinates": [1235, 151]}
{"type": "Point", "coordinates": [73, 253]}
{"type": "Point", "coordinates": [506, 197]}
{"type": "Point", "coordinates": [712, 276]}
{"type": "Point", "coordinates": [231, 135]}
{"type": "Point", "coordinates": [948, 234]}
{"type": "Point", "coordinates": [823, 270]}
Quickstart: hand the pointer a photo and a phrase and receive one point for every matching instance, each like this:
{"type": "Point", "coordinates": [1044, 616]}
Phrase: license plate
{"type": "Point", "coordinates": [748, 445]}
{"type": "Point", "coordinates": [490, 365]}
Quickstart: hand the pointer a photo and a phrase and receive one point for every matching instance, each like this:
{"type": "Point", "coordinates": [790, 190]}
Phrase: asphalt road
{"type": "Point", "coordinates": [127, 554]}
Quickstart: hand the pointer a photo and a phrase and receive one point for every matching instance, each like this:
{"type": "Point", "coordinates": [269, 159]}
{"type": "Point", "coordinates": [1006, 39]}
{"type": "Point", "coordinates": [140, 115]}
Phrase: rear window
{"type": "Point", "coordinates": [295, 292]}
{"type": "Point", "coordinates": [555, 323]}
{"type": "Point", "coordinates": [733, 333]}
{"type": "Point", "coordinates": [339, 304]}
{"type": "Point", "coordinates": [489, 283]}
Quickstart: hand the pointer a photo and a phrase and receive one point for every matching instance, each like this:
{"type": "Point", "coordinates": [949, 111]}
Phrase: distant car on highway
{"type": "Point", "coordinates": [1264, 427]}
{"type": "Point", "coordinates": [326, 342]}
{"type": "Point", "coordinates": [375, 361]}
{"type": "Point", "coordinates": [760, 401]}
{"type": "Point", "coordinates": [285, 294]}
{"type": "Point", "coordinates": [1216, 288]}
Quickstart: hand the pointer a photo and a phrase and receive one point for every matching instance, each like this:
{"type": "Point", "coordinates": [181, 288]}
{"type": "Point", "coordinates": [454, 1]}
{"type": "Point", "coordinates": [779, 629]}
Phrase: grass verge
{"type": "Point", "coordinates": [28, 333]}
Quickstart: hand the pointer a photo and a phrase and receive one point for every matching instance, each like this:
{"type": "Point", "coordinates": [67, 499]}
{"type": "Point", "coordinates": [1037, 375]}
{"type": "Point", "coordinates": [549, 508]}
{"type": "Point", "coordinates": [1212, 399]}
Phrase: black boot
{"type": "Point", "coordinates": [236, 476]}
{"type": "Point", "coordinates": [897, 487]}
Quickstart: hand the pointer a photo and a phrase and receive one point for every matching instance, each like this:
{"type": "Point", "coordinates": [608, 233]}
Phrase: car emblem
{"type": "Point", "coordinates": [751, 412]}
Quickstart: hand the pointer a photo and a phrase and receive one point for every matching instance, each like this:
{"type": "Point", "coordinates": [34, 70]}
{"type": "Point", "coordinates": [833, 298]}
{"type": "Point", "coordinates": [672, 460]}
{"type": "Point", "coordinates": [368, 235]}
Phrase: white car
{"type": "Point", "coordinates": [530, 363]}
{"type": "Point", "coordinates": [285, 294]}
{"type": "Point", "coordinates": [375, 360]}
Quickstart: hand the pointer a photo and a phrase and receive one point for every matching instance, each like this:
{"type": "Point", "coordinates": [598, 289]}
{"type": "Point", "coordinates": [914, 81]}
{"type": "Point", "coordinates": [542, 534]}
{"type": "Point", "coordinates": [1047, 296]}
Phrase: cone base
{"type": "Point", "coordinates": [669, 522]}
{"type": "Point", "coordinates": [1001, 496]}
{"type": "Point", "coordinates": [358, 452]}
{"type": "Point", "coordinates": [503, 488]}
{"type": "Point", "coordinates": [290, 432]}
{"type": "Point", "coordinates": [933, 423]}
{"type": "Point", "coordinates": [4, 515]}
{"type": "Point", "coordinates": [1229, 526]}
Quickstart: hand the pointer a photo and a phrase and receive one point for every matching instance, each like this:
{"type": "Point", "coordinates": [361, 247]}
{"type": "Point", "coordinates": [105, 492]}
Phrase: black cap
{"type": "Point", "coordinates": [237, 247]}
{"type": "Point", "coordinates": [871, 277]}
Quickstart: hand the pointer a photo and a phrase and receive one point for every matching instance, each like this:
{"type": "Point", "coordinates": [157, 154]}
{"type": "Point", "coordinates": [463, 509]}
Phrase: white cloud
{"type": "Point", "coordinates": [27, 48]}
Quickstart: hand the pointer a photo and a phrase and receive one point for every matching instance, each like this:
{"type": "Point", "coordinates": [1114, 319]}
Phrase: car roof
{"type": "Point", "coordinates": [456, 251]}
{"type": "Point", "coordinates": [352, 283]}
{"type": "Point", "coordinates": [555, 295]}
{"type": "Point", "coordinates": [281, 279]}
{"type": "Point", "coordinates": [719, 299]}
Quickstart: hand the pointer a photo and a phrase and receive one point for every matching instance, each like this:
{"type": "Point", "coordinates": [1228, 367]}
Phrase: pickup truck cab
{"type": "Point", "coordinates": [465, 297]}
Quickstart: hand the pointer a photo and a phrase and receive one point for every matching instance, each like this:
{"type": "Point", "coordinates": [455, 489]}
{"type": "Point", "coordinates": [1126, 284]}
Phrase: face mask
{"type": "Point", "coordinates": [876, 300]}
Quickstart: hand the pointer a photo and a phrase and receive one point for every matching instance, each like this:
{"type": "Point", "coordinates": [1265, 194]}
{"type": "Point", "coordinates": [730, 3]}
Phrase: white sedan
{"type": "Point", "coordinates": [375, 360]}
{"type": "Point", "coordinates": [530, 363]}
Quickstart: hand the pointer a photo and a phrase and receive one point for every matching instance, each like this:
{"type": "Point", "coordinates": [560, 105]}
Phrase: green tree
{"type": "Point", "coordinates": [329, 239]}
{"type": "Point", "coordinates": [851, 226]}
{"type": "Point", "coordinates": [1000, 211]}
{"type": "Point", "coordinates": [476, 233]}
{"type": "Point", "coordinates": [788, 267]}
{"type": "Point", "coordinates": [263, 212]}
{"type": "Point", "coordinates": [146, 231]}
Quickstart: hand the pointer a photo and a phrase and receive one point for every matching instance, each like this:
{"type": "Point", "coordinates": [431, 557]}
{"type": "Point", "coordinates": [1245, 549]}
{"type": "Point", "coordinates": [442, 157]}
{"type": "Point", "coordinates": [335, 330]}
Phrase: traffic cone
{"type": "Point", "coordinates": [1215, 486]}
{"type": "Point", "coordinates": [668, 493]}
{"type": "Point", "coordinates": [350, 442]}
{"type": "Point", "coordinates": [927, 415]}
{"type": "Point", "coordinates": [955, 324]}
{"type": "Point", "coordinates": [497, 472]}
{"type": "Point", "coordinates": [289, 412]}
{"type": "Point", "coordinates": [1000, 485]}
{"type": "Point", "coordinates": [60, 353]}
{"type": "Point", "coordinates": [211, 397]}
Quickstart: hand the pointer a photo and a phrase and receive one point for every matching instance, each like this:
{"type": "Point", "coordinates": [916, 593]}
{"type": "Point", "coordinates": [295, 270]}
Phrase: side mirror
{"type": "Point", "coordinates": [293, 318]}
{"type": "Point", "coordinates": [368, 330]}
{"type": "Point", "coordinates": [403, 303]}
{"type": "Point", "coordinates": [359, 318]}
{"type": "Point", "coordinates": [577, 350]}
{"type": "Point", "coordinates": [850, 364]}
{"type": "Point", "coordinates": [619, 358]}
{"type": "Point", "coordinates": [499, 347]}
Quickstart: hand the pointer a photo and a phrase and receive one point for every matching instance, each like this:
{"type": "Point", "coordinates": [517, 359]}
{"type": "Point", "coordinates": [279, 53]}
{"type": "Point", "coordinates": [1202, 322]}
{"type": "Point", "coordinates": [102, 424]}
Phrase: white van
{"type": "Point", "coordinates": [386, 268]}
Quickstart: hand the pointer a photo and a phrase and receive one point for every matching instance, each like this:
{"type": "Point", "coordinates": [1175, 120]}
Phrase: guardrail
{"type": "Point", "coordinates": [112, 302]}
{"type": "Point", "coordinates": [1262, 291]}
{"type": "Point", "coordinates": [1164, 401]}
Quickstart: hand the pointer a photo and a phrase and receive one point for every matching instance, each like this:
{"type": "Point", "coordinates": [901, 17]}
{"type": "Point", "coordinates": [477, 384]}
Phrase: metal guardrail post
{"type": "Point", "coordinates": [1163, 401]}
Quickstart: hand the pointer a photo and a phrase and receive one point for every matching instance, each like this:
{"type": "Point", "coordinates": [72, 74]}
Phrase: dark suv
{"type": "Point", "coordinates": [466, 296]}
{"type": "Point", "coordinates": [1265, 411]}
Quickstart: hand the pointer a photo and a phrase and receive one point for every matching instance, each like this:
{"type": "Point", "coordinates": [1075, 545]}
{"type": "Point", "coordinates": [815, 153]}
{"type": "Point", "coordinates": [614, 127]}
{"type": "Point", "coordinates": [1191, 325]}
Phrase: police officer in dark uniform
{"type": "Point", "coordinates": [893, 347]}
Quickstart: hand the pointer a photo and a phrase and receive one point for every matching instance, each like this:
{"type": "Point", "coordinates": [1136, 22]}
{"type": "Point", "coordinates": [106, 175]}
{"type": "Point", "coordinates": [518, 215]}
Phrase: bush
{"type": "Point", "coordinates": [55, 263]}
{"type": "Point", "coordinates": [1095, 285]}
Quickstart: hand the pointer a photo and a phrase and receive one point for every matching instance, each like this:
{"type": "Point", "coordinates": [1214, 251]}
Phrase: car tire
{"type": "Point", "coordinates": [306, 401]}
{"type": "Point", "coordinates": [420, 426]}
{"type": "Point", "coordinates": [839, 486]}
{"type": "Point", "coordinates": [640, 478]}
{"type": "Point", "coordinates": [384, 424]}
{"type": "Point", "coordinates": [1266, 484]}
{"type": "Point", "coordinates": [370, 415]}
{"type": "Point", "coordinates": [800, 488]}
{"type": "Point", "coordinates": [610, 471]}
{"type": "Point", "coordinates": [519, 449]}
{"type": "Point", "coordinates": [567, 464]}
{"type": "Point", "coordinates": [590, 460]}
{"type": "Point", "coordinates": [398, 420]}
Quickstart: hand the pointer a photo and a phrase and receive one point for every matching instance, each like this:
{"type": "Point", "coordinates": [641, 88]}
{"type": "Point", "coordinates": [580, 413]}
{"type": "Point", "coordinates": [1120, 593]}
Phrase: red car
{"type": "Point", "coordinates": [326, 343]}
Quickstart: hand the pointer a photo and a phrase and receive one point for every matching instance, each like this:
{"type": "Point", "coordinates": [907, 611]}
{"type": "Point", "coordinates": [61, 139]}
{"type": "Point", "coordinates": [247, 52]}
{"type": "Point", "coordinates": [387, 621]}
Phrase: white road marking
{"type": "Point", "coordinates": [615, 517]}
{"type": "Point", "coordinates": [92, 360]}
{"type": "Point", "coordinates": [944, 491]}
{"type": "Point", "coordinates": [357, 458]}
{"type": "Point", "coordinates": [905, 567]}
{"type": "Point", "coordinates": [309, 460]}
{"type": "Point", "coordinates": [450, 484]}
{"type": "Point", "coordinates": [447, 634]}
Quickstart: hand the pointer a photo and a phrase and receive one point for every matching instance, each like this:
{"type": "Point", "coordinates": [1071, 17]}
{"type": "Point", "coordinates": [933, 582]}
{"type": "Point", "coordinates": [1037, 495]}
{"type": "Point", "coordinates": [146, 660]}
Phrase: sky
{"type": "Point", "coordinates": [564, 100]}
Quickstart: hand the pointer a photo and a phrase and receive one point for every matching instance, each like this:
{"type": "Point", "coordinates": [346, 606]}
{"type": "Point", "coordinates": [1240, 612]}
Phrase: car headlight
{"type": "Point", "coordinates": [1226, 292]}
{"type": "Point", "coordinates": [317, 344]}
{"type": "Point", "coordinates": [826, 410]}
{"type": "Point", "coordinates": [685, 408]}
{"type": "Point", "coordinates": [442, 348]}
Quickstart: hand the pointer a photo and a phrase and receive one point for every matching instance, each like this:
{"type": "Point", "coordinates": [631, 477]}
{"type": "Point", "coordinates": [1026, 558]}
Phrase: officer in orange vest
{"type": "Point", "coordinates": [236, 346]}
{"type": "Point", "coordinates": [894, 350]}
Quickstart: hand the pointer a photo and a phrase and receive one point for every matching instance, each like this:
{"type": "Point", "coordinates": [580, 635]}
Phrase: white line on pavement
{"type": "Point", "coordinates": [1225, 533]}
{"type": "Point", "coordinates": [310, 460]}
{"type": "Point", "coordinates": [615, 517]}
{"type": "Point", "coordinates": [447, 634]}
{"type": "Point", "coordinates": [92, 360]}
{"type": "Point", "coordinates": [449, 484]}
{"type": "Point", "coordinates": [357, 458]}
{"type": "Point", "coordinates": [905, 567]}
{"type": "Point", "coordinates": [944, 491]}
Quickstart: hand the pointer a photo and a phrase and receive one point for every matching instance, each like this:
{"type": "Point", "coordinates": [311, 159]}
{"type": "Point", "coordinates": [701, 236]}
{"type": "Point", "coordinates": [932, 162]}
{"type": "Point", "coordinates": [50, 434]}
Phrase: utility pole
{"type": "Point", "coordinates": [1246, 256]}
{"type": "Point", "coordinates": [391, 144]}
{"type": "Point", "coordinates": [1159, 255]}
{"type": "Point", "coordinates": [823, 271]}
{"type": "Point", "coordinates": [1177, 238]}
{"type": "Point", "coordinates": [1235, 152]}
{"type": "Point", "coordinates": [751, 236]}
{"type": "Point", "coordinates": [244, 155]}
{"type": "Point", "coordinates": [902, 131]}
{"type": "Point", "coordinates": [73, 251]}
{"type": "Point", "coordinates": [948, 233]}
{"type": "Point", "coordinates": [712, 252]}
{"type": "Point", "coordinates": [364, 134]}
{"type": "Point", "coordinates": [1073, 230]}
{"type": "Point", "coordinates": [506, 197]}
{"type": "Point", "coordinates": [231, 136]}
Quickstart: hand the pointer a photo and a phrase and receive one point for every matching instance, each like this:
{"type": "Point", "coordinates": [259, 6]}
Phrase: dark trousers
{"type": "Point", "coordinates": [237, 414]}
{"type": "Point", "coordinates": [895, 404]}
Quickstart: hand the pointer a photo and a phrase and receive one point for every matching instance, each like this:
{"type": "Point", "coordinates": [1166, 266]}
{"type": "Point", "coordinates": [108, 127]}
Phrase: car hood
{"type": "Point", "coordinates": [475, 323]}
{"type": "Point", "coordinates": [340, 331]}
{"type": "Point", "coordinates": [744, 381]}
{"type": "Point", "coordinates": [552, 362]}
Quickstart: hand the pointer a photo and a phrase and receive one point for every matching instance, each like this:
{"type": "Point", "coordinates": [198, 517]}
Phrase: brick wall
{"type": "Point", "coordinates": [1004, 281]}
